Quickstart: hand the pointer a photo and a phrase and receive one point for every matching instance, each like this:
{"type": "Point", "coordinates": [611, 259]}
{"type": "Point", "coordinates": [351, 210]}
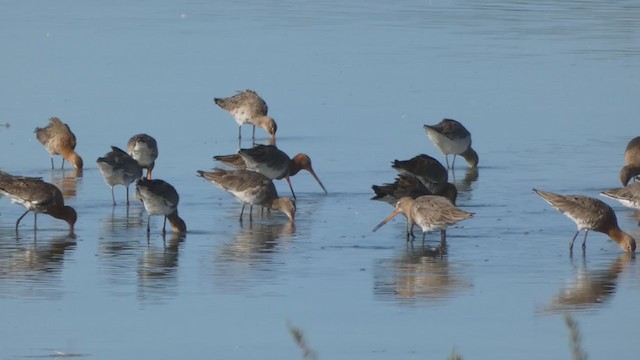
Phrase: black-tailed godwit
{"type": "Point", "coordinates": [252, 188]}
{"type": "Point", "coordinates": [589, 214]}
{"type": "Point", "coordinates": [160, 198]}
{"type": "Point", "coordinates": [118, 168]}
{"type": "Point", "coordinates": [451, 137]}
{"type": "Point", "coordinates": [144, 149]}
{"type": "Point", "coordinates": [247, 107]}
{"type": "Point", "coordinates": [58, 139]}
{"type": "Point", "coordinates": [406, 185]}
{"type": "Point", "coordinates": [271, 162]}
{"type": "Point", "coordinates": [37, 196]}
{"type": "Point", "coordinates": [429, 212]}
{"type": "Point", "coordinates": [631, 168]}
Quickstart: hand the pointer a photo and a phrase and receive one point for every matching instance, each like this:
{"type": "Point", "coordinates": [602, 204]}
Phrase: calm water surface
{"type": "Point", "coordinates": [548, 89]}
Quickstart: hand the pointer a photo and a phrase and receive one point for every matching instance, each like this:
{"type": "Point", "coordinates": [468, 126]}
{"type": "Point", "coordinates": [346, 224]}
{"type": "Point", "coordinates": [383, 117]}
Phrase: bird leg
{"type": "Point", "coordinates": [127, 199]}
{"type": "Point", "coordinates": [113, 197]}
{"type": "Point", "coordinates": [446, 158]}
{"type": "Point", "coordinates": [290, 187]}
{"type": "Point", "coordinates": [20, 218]}
{"type": "Point", "coordinates": [164, 224]}
{"type": "Point", "coordinates": [51, 162]}
{"type": "Point", "coordinates": [453, 163]}
{"type": "Point", "coordinates": [148, 227]}
{"type": "Point", "coordinates": [443, 237]}
{"type": "Point", "coordinates": [584, 241]}
{"type": "Point", "coordinates": [241, 212]}
{"type": "Point", "coordinates": [572, 240]}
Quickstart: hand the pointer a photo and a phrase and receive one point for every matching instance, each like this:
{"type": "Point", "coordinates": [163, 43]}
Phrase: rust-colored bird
{"type": "Point", "coordinates": [252, 188]}
{"type": "Point", "coordinates": [589, 214]}
{"type": "Point", "coordinates": [160, 198]}
{"type": "Point", "coordinates": [58, 139]}
{"type": "Point", "coordinates": [144, 149]}
{"type": "Point", "coordinates": [631, 168]}
{"type": "Point", "coordinates": [37, 196]}
{"type": "Point", "coordinates": [247, 107]}
{"type": "Point", "coordinates": [451, 137]}
{"type": "Point", "coordinates": [429, 212]}
{"type": "Point", "coordinates": [271, 162]}
{"type": "Point", "coordinates": [118, 168]}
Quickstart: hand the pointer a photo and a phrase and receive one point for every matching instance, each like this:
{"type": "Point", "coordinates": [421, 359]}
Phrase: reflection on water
{"type": "Point", "coordinates": [249, 257]}
{"type": "Point", "coordinates": [123, 218]}
{"type": "Point", "coordinates": [421, 274]}
{"type": "Point", "coordinates": [590, 289]}
{"type": "Point", "coordinates": [32, 267]}
{"type": "Point", "coordinates": [66, 180]}
{"type": "Point", "coordinates": [157, 269]}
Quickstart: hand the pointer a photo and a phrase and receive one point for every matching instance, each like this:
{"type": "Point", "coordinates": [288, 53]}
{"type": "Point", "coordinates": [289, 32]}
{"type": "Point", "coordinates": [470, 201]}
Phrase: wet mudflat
{"type": "Point", "coordinates": [548, 92]}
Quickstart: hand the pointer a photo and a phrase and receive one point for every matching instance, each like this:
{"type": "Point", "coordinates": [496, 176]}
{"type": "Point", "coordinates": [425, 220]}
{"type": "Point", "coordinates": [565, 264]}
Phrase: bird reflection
{"type": "Point", "coordinates": [66, 180]}
{"type": "Point", "coordinates": [24, 264]}
{"type": "Point", "coordinates": [590, 289]}
{"type": "Point", "coordinates": [123, 219]}
{"type": "Point", "coordinates": [420, 274]}
{"type": "Point", "coordinates": [157, 268]}
{"type": "Point", "coordinates": [249, 257]}
{"type": "Point", "coordinates": [470, 176]}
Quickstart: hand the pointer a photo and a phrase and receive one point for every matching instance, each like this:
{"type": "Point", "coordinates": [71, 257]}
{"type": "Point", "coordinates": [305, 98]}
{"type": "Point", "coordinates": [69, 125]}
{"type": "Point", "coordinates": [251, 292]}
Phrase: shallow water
{"type": "Point", "coordinates": [547, 89]}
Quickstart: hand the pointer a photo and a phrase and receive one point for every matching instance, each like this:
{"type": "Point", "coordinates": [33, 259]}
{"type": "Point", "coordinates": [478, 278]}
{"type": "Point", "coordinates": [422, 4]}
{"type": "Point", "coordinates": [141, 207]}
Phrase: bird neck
{"type": "Point", "coordinates": [177, 224]}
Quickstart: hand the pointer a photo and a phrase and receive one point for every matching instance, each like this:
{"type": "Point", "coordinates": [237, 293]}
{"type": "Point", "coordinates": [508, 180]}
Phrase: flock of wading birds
{"type": "Point", "coordinates": [421, 190]}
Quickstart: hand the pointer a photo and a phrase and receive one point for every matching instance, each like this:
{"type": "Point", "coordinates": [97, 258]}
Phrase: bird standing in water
{"type": "Point", "coordinates": [429, 212]}
{"type": "Point", "coordinates": [118, 168]}
{"type": "Point", "coordinates": [252, 188]}
{"type": "Point", "coordinates": [247, 107]}
{"type": "Point", "coordinates": [270, 161]}
{"type": "Point", "coordinates": [37, 196]}
{"type": "Point", "coordinates": [58, 139]}
{"type": "Point", "coordinates": [160, 198]}
{"type": "Point", "coordinates": [144, 149]}
{"type": "Point", "coordinates": [589, 214]}
{"type": "Point", "coordinates": [451, 137]}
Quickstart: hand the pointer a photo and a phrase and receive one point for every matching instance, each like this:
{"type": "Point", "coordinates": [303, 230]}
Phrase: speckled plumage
{"type": "Point", "coordinates": [58, 139]}
{"type": "Point", "coordinates": [250, 187]}
{"type": "Point", "coordinates": [589, 214]}
{"type": "Point", "coordinates": [38, 196]}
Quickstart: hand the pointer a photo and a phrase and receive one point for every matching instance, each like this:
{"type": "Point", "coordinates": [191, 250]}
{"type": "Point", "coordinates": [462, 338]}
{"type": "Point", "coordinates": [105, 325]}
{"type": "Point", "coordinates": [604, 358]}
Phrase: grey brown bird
{"type": "Point", "coordinates": [160, 198]}
{"type": "Point", "coordinates": [37, 196]}
{"type": "Point", "coordinates": [144, 149]}
{"type": "Point", "coordinates": [429, 212]}
{"type": "Point", "coordinates": [426, 169]}
{"type": "Point", "coordinates": [406, 185]}
{"type": "Point", "coordinates": [589, 214]}
{"type": "Point", "coordinates": [252, 188]}
{"type": "Point", "coordinates": [631, 168]}
{"type": "Point", "coordinates": [118, 168]}
{"type": "Point", "coordinates": [247, 107]}
{"type": "Point", "coordinates": [628, 196]}
{"type": "Point", "coordinates": [271, 162]}
{"type": "Point", "coordinates": [452, 138]}
{"type": "Point", "coordinates": [58, 139]}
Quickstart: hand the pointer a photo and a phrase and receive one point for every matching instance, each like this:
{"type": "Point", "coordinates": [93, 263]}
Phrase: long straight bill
{"type": "Point", "coordinates": [393, 214]}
